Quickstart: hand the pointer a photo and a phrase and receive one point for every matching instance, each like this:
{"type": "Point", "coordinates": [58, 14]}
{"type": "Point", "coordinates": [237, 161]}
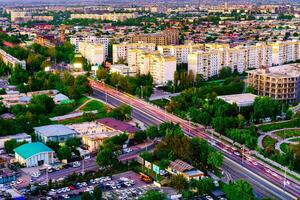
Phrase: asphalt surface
{"type": "Point", "coordinates": [264, 184]}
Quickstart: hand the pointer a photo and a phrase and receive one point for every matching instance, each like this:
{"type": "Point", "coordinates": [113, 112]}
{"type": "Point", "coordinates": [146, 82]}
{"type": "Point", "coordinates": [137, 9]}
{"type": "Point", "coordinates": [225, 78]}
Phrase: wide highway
{"type": "Point", "coordinates": [266, 181]}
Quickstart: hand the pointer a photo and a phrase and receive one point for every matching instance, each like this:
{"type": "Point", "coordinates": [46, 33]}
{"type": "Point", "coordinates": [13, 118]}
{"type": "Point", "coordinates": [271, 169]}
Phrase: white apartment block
{"type": "Point", "coordinates": [10, 60]}
{"type": "Point", "coordinates": [239, 58]}
{"type": "Point", "coordinates": [20, 16]}
{"type": "Point", "coordinates": [120, 51]}
{"type": "Point", "coordinates": [206, 63]}
{"type": "Point", "coordinates": [285, 52]}
{"type": "Point", "coordinates": [75, 40]}
{"type": "Point", "coordinates": [181, 52]}
{"type": "Point", "coordinates": [94, 53]}
{"type": "Point", "coordinates": [161, 67]}
{"type": "Point", "coordinates": [106, 16]}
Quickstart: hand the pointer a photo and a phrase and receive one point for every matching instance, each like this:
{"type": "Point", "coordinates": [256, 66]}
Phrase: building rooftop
{"type": "Point", "coordinates": [241, 100]}
{"type": "Point", "coordinates": [284, 71]}
{"type": "Point", "coordinates": [180, 165]}
{"type": "Point", "coordinates": [54, 130]}
{"type": "Point", "coordinates": [30, 149]}
{"type": "Point", "coordinates": [118, 125]}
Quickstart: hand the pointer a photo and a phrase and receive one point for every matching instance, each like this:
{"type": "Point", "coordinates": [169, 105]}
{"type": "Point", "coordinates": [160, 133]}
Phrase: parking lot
{"type": "Point", "coordinates": [127, 180]}
{"type": "Point", "coordinates": [128, 193]}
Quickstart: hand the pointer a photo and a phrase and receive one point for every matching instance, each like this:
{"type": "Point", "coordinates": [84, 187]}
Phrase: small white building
{"type": "Point", "coordinates": [34, 154]}
{"type": "Point", "coordinates": [241, 100]}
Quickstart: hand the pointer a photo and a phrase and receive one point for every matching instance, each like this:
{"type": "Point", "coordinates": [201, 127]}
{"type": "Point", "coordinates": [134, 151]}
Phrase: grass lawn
{"type": "Point", "coordinates": [284, 147]}
{"type": "Point", "coordinates": [269, 142]}
{"type": "Point", "coordinates": [160, 102]}
{"type": "Point", "coordinates": [94, 105]}
{"type": "Point", "coordinates": [295, 140]}
{"type": "Point", "coordinates": [81, 101]}
{"type": "Point", "coordinates": [279, 125]}
{"type": "Point", "coordinates": [288, 133]}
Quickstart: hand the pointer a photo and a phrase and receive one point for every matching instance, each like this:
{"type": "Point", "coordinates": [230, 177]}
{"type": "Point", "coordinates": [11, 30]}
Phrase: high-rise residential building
{"type": "Point", "coordinates": [206, 63]}
{"type": "Point", "coordinates": [213, 58]}
{"type": "Point", "coordinates": [94, 53]}
{"type": "Point", "coordinates": [120, 51]}
{"type": "Point", "coordinates": [166, 37]}
{"type": "Point", "coordinates": [285, 52]}
{"type": "Point", "coordinates": [20, 16]}
{"type": "Point", "coordinates": [280, 82]}
{"type": "Point", "coordinates": [181, 52]}
{"type": "Point", "coordinates": [161, 67]}
{"type": "Point", "coordinates": [75, 40]}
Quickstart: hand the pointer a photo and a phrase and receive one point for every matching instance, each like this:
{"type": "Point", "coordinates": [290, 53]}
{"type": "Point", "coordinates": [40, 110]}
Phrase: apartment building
{"type": "Point", "coordinates": [105, 16]}
{"type": "Point", "coordinates": [120, 51]}
{"type": "Point", "coordinates": [206, 63]}
{"type": "Point", "coordinates": [75, 40]}
{"type": "Point", "coordinates": [166, 37]}
{"type": "Point", "coordinates": [280, 82]}
{"type": "Point", "coordinates": [46, 18]}
{"type": "Point", "coordinates": [10, 60]}
{"type": "Point", "coordinates": [212, 58]}
{"type": "Point", "coordinates": [285, 52]}
{"type": "Point", "coordinates": [94, 53]}
{"type": "Point", "coordinates": [161, 67]}
{"type": "Point", "coordinates": [181, 52]}
{"type": "Point", "coordinates": [20, 16]}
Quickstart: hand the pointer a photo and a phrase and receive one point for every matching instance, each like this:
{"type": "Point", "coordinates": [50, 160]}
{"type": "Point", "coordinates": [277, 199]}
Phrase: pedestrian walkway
{"type": "Point", "coordinates": [287, 141]}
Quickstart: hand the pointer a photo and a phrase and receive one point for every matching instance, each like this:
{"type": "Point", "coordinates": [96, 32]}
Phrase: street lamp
{"type": "Point", "coordinates": [189, 119]}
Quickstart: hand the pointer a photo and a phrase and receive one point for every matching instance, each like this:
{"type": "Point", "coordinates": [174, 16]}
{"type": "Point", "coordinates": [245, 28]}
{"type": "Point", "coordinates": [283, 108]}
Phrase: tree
{"type": "Point", "coordinates": [179, 182]}
{"type": "Point", "coordinates": [123, 112]}
{"type": "Point", "coordinates": [102, 73]}
{"type": "Point", "coordinates": [153, 195]}
{"type": "Point", "coordinates": [225, 72]}
{"type": "Point", "coordinates": [152, 132]}
{"type": "Point", "coordinates": [64, 153]}
{"type": "Point", "coordinates": [239, 189]}
{"type": "Point", "coordinates": [53, 145]}
{"type": "Point", "coordinates": [41, 104]}
{"type": "Point", "coordinates": [215, 159]}
{"type": "Point", "coordinates": [73, 142]}
{"type": "Point", "coordinates": [86, 196]}
{"type": "Point", "coordinates": [106, 157]}
{"type": "Point", "coordinates": [82, 84]}
{"type": "Point", "coordinates": [266, 107]}
{"type": "Point", "coordinates": [10, 145]}
{"type": "Point", "coordinates": [140, 136]}
{"type": "Point", "coordinates": [97, 194]}
{"type": "Point", "coordinates": [203, 186]}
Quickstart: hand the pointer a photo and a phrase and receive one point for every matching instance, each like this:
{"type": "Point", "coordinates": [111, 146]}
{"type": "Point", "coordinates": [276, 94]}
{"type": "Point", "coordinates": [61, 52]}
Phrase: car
{"type": "Point", "coordinates": [237, 153]}
{"type": "Point", "coordinates": [65, 196]}
{"type": "Point", "coordinates": [76, 164]}
{"type": "Point", "coordinates": [254, 163]}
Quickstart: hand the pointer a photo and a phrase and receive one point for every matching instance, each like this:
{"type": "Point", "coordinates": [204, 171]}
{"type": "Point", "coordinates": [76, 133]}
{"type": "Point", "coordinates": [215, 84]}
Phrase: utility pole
{"type": "Point", "coordinates": [82, 171]}
{"type": "Point", "coordinates": [284, 181]}
{"type": "Point", "coordinates": [243, 151]}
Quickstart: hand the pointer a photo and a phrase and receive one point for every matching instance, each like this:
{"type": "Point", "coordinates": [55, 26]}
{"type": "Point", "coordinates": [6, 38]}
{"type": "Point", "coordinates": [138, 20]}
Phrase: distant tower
{"type": "Point", "coordinates": [226, 4]}
{"type": "Point", "coordinates": [62, 34]}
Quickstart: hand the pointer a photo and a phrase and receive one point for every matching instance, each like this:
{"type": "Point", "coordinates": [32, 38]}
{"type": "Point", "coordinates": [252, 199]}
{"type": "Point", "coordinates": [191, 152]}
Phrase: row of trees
{"type": "Point", "coordinates": [65, 83]}
{"type": "Point", "coordinates": [176, 145]}
{"type": "Point", "coordinates": [141, 85]}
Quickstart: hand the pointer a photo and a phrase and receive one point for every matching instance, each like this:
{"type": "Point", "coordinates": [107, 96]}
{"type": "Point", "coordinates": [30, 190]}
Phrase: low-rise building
{"type": "Point", "coordinates": [241, 100]}
{"type": "Point", "coordinates": [93, 141]}
{"type": "Point", "coordinates": [57, 133]}
{"type": "Point", "coordinates": [188, 171]}
{"type": "Point", "coordinates": [20, 137]}
{"type": "Point", "coordinates": [111, 125]}
{"type": "Point", "coordinates": [34, 154]}
{"type": "Point", "coordinates": [10, 60]}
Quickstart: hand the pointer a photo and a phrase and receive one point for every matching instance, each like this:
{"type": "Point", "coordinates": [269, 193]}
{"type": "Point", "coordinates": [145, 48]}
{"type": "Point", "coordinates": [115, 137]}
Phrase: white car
{"type": "Point", "coordinates": [76, 164]}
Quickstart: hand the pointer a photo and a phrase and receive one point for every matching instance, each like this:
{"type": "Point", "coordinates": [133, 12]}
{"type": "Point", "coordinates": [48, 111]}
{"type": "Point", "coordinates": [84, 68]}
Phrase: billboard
{"type": "Point", "coordinates": [155, 168]}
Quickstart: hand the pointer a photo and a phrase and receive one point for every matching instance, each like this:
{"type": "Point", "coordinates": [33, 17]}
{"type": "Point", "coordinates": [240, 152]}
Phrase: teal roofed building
{"type": "Point", "coordinates": [34, 154]}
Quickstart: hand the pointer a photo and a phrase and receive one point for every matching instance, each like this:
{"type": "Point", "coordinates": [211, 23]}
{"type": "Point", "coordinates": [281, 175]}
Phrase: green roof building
{"type": "Point", "coordinates": [34, 154]}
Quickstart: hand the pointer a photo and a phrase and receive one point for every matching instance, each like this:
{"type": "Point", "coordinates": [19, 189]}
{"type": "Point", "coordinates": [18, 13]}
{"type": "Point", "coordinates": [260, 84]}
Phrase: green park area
{"type": "Point", "coordinates": [288, 133]}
